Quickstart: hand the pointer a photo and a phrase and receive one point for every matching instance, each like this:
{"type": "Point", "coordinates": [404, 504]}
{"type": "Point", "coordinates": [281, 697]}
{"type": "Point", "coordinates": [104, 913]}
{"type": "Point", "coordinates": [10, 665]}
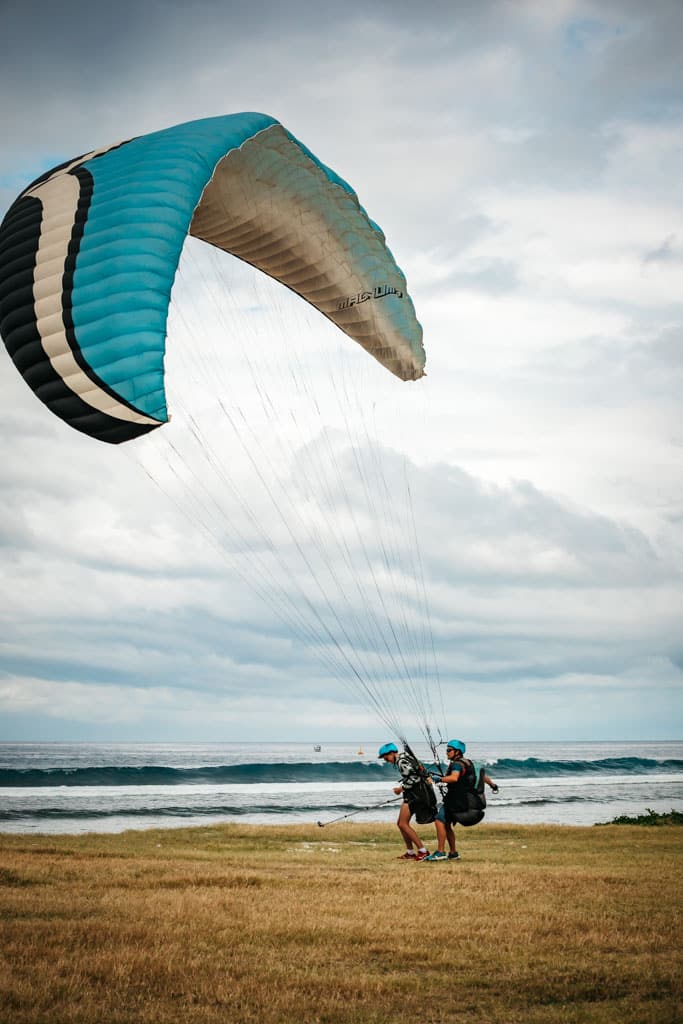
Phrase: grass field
{"type": "Point", "coordinates": [272, 924]}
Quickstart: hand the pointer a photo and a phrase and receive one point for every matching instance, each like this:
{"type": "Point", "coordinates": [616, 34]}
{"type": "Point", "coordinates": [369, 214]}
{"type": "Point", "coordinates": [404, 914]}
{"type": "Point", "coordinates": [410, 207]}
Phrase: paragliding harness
{"type": "Point", "coordinates": [465, 801]}
{"type": "Point", "coordinates": [421, 797]}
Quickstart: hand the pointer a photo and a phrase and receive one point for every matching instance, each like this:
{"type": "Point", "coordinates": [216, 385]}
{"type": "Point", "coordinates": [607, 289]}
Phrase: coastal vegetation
{"type": "Point", "coordinates": [650, 817]}
{"type": "Point", "coordinates": [232, 923]}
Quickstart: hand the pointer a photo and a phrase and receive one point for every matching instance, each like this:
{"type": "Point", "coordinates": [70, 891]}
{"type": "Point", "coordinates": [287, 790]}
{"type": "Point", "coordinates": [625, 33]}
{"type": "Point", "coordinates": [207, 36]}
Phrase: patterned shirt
{"type": "Point", "coordinates": [410, 772]}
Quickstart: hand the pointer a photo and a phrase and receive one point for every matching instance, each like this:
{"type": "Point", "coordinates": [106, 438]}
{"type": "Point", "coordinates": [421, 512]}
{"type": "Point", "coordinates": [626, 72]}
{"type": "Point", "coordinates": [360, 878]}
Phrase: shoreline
{"type": "Point", "coordinates": [279, 826]}
{"type": "Point", "coordinates": [384, 833]}
{"type": "Point", "coordinates": [108, 823]}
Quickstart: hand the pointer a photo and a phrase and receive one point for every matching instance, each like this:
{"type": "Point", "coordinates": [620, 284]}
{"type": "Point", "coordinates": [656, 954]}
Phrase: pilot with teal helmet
{"type": "Point", "coordinates": [414, 786]}
{"type": "Point", "coordinates": [460, 778]}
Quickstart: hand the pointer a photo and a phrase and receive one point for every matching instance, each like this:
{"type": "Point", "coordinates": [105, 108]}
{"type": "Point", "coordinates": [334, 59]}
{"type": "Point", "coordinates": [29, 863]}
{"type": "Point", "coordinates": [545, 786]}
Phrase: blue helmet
{"type": "Point", "coordinates": [387, 748]}
{"type": "Point", "coordinates": [457, 745]}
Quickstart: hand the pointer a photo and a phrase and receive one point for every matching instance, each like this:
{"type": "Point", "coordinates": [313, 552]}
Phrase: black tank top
{"type": "Point", "coordinates": [456, 793]}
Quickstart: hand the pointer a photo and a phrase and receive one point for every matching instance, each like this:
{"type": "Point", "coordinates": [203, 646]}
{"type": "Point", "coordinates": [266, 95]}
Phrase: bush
{"type": "Point", "coordinates": [649, 818]}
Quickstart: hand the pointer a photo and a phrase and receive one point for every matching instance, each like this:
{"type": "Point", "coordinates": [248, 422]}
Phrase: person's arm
{"type": "Point", "coordinates": [453, 776]}
{"type": "Point", "coordinates": [491, 783]}
{"type": "Point", "coordinates": [399, 764]}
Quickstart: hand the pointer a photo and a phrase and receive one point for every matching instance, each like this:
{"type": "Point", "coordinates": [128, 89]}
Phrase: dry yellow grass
{"type": "Point", "coordinates": [237, 924]}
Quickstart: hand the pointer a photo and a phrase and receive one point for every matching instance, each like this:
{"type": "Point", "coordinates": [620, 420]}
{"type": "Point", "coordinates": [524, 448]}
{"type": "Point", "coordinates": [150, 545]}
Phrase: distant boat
{"type": "Point", "coordinates": [360, 750]}
{"type": "Point", "coordinates": [317, 747]}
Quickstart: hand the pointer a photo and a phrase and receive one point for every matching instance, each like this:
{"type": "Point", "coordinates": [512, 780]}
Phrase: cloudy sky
{"type": "Point", "coordinates": [525, 162]}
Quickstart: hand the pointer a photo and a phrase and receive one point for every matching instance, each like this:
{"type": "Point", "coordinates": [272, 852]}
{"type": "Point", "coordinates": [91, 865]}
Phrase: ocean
{"type": "Point", "coordinates": [111, 787]}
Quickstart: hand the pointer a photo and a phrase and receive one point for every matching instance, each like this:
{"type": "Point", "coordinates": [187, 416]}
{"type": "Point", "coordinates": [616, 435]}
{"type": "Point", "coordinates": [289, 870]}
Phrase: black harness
{"type": "Point", "coordinates": [421, 797]}
{"type": "Point", "coordinates": [464, 802]}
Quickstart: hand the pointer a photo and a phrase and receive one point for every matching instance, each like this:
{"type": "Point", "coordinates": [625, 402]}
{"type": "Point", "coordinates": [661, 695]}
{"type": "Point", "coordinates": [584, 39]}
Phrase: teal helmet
{"type": "Point", "coordinates": [387, 748]}
{"type": "Point", "coordinates": [457, 745]}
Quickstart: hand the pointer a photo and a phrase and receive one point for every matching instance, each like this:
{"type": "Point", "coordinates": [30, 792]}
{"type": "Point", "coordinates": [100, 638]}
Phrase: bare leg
{"type": "Point", "coordinates": [410, 836]}
{"type": "Point", "coordinates": [441, 833]}
{"type": "Point", "coordinates": [450, 836]}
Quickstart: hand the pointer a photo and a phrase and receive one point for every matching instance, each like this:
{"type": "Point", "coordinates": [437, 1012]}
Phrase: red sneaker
{"type": "Point", "coordinates": [422, 856]}
{"type": "Point", "coordinates": [407, 856]}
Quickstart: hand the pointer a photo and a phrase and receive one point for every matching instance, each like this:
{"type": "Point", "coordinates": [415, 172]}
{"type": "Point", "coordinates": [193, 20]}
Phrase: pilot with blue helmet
{"type": "Point", "coordinates": [463, 802]}
{"type": "Point", "coordinates": [417, 793]}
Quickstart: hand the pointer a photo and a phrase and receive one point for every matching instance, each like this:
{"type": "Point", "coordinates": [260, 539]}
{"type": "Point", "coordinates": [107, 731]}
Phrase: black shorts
{"type": "Point", "coordinates": [422, 804]}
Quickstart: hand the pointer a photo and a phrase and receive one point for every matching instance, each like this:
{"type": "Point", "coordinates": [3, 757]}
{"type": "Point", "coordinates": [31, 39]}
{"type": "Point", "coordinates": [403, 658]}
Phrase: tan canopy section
{"type": "Point", "coordinates": [272, 205]}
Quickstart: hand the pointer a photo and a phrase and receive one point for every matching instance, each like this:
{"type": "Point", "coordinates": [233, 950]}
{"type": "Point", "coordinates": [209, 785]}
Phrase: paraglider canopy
{"type": "Point", "coordinates": [89, 251]}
